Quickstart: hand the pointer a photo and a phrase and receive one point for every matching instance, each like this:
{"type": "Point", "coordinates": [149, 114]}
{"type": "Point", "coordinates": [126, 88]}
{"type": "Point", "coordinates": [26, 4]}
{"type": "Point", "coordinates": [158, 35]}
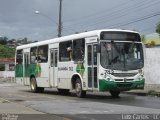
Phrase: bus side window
{"type": "Point", "coordinates": [65, 51]}
{"type": "Point", "coordinates": [33, 55]}
{"type": "Point", "coordinates": [19, 57]}
{"type": "Point", "coordinates": [42, 54]}
{"type": "Point", "coordinates": [78, 49]}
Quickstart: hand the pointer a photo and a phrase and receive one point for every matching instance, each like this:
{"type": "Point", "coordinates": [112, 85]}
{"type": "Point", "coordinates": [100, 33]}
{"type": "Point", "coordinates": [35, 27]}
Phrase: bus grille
{"type": "Point", "coordinates": [124, 85]}
{"type": "Point", "coordinates": [124, 74]}
{"type": "Point", "coordinates": [120, 80]}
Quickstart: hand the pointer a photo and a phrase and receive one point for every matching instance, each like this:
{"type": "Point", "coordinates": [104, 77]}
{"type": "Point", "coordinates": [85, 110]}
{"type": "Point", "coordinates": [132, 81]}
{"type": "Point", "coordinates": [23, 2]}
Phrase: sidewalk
{"type": "Point", "coordinates": [14, 108]}
{"type": "Point", "coordinates": [150, 89]}
{"type": "Point", "coordinates": [15, 111]}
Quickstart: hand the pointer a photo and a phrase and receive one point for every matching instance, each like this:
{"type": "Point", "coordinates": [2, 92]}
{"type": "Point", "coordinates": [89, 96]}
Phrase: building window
{"type": "Point", "coordinates": [65, 51]}
{"type": "Point", "coordinates": [19, 57]}
{"type": "Point", "coordinates": [78, 49]}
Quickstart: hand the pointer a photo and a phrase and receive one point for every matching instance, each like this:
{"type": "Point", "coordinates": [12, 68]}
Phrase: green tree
{"type": "Point", "coordinates": [6, 52]}
{"type": "Point", "coordinates": [158, 29]}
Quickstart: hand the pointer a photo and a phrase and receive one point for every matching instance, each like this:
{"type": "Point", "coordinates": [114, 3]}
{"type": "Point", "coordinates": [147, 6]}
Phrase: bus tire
{"type": "Point", "coordinates": [78, 88]}
{"type": "Point", "coordinates": [34, 88]}
{"type": "Point", "coordinates": [114, 93]}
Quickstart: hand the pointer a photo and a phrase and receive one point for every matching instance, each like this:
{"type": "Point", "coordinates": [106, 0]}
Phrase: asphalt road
{"type": "Point", "coordinates": [96, 106]}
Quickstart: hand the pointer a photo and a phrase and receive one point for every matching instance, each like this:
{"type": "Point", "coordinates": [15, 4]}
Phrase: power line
{"type": "Point", "coordinates": [102, 11]}
{"type": "Point", "coordinates": [91, 17]}
{"type": "Point", "coordinates": [134, 7]}
{"type": "Point", "coordinates": [110, 13]}
{"type": "Point", "coordinates": [116, 17]}
{"type": "Point", "coordinates": [138, 20]}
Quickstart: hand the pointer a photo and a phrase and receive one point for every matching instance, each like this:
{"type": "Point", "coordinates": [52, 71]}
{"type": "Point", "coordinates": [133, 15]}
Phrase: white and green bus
{"type": "Point", "coordinates": [101, 60]}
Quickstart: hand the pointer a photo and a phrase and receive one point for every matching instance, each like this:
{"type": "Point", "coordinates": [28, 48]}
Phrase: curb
{"type": "Point", "coordinates": [142, 93]}
{"type": "Point", "coordinates": [136, 93]}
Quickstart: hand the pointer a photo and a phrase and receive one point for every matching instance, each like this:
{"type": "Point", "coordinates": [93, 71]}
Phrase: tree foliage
{"type": "Point", "coordinates": [6, 52]}
{"type": "Point", "coordinates": [158, 28]}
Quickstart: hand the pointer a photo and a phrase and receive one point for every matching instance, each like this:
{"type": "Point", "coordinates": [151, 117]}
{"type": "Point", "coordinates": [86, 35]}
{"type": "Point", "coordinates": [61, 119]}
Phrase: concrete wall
{"type": "Point", "coordinates": [5, 74]}
{"type": "Point", "coordinates": [152, 66]}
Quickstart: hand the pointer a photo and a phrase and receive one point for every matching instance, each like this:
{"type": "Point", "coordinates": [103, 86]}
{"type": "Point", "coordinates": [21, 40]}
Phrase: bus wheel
{"type": "Point", "coordinates": [33, 85]}
{"type": "Point", "coordinates": [114, 93]}
{"type": "Point", "coordinates": [78, 88]}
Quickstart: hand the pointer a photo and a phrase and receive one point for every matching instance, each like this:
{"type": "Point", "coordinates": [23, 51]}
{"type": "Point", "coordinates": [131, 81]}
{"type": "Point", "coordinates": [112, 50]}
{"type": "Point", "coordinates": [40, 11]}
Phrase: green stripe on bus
{"type": "Point", "coordinates": [31, 69]}
{"type": "Point", "coordinates": [120, 86]}
{"type": "Point", "coordinates": [19, 70]}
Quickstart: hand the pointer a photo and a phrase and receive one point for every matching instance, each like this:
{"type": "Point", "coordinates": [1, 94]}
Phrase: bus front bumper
{"type": "Point", "coordinates": [120, 86]}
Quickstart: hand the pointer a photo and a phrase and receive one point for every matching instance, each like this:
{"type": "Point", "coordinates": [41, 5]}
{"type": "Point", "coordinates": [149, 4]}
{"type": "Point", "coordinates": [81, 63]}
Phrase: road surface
{"type": "Point", "coordinates": [96, 106]}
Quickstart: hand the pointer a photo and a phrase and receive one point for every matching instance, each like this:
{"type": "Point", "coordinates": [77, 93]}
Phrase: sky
{"type": "Point", "coordinates": [18, 18]}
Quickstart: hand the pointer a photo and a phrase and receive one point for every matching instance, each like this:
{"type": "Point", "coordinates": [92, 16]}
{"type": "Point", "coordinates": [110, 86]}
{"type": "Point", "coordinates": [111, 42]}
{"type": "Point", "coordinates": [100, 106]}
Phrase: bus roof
{"type": "Point", "coordinates": [71, 37]}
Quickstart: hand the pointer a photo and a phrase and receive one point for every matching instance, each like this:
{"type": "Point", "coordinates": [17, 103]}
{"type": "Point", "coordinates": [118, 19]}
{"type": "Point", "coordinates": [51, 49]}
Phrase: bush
{"type": "Point", "coordinates": [151, 44]}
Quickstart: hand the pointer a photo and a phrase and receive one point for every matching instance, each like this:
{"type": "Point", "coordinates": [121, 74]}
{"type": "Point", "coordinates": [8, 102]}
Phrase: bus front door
{"type": "Point", "coordinates": [53, 67]}
{"type": "Point", "coordinates": [92, 66]}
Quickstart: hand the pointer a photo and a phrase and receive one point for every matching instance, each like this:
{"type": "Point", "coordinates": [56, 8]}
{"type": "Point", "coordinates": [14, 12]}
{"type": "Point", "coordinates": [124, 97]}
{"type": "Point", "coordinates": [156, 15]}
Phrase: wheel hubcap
{"type": "Point", "coordinates": [32, 85]}
{"type": "Point", "coordinates": [78, 88]}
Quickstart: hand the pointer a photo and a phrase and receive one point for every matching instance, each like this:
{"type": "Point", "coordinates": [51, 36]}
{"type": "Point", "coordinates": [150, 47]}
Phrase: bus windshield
{"type": "Point", "coordinates": [121, 55]}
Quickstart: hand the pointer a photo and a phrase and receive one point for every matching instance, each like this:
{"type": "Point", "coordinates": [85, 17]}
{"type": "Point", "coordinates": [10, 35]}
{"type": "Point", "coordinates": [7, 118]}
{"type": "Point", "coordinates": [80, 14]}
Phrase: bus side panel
{"type": "Point", "coordinates": [42, 75]}
{"type": "Point", "coordinates": [19, 74]}
{"type": "Point", "coordinates": [65, 73]}
{"type": "Point", "coordinates": [40, 72]}
{"type": "Point", "coordinates": [20, 78]}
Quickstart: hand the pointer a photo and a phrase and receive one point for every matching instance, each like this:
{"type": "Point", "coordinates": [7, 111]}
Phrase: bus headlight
{"type": "Point", "coordinates": [141, 72]}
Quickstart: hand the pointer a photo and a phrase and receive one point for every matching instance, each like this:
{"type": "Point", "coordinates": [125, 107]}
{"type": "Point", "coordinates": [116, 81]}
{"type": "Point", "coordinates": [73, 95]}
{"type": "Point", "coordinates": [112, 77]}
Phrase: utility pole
{"type": "Point", "coordinates": [60, 21]}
